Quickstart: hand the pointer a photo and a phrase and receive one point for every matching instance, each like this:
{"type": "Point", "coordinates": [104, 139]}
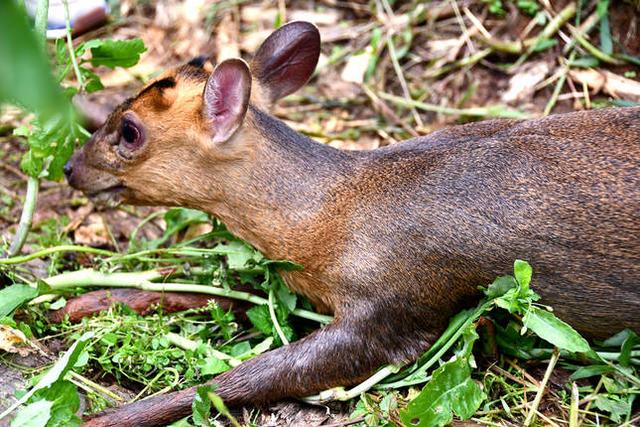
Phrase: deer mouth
{"type": "Point", "coordinates": [108, 197]}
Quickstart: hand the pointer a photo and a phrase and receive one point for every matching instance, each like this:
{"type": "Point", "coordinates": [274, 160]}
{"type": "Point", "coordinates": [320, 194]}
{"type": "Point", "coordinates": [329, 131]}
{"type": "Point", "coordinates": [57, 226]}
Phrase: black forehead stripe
{"type": "Point", "coordinates": [198, 61]}
{"type": "Point", "coordinates": [160, 84]}
{"type": "Point", "coordinates": [192, 72]}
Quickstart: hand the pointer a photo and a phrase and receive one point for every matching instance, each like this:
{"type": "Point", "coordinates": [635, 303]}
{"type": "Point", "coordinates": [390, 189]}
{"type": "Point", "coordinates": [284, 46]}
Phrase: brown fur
{"type": "Point", "coordinates": [396, 240]}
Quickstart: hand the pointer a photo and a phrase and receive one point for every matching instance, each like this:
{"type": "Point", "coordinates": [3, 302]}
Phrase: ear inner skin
{"type": "Point", "coordinates": [226, 98]}
{"type": "Point", "coordinates": [287, 59]}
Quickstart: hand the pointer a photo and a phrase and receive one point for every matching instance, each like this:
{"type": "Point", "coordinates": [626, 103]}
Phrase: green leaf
{"type": "Point", "coordinates": [66, 403]}
{"type": "Point", "coordinates": [260, 318]}
{"type": "Point", "coordinates": [218, 403]}
{"type": "Point", "coordinates": [25, 75]}
{"type": "Point", "coordinates": [201, 406]}
{"type": "Point", "coordinates": [451, 390]}
{"type": "Point", "coordinates": [625, 351]}
{"type": "Point", "coordinates": [544, 44]}
{"type": "Point", "coordinates": [585, 62]}
{"type": "Point", "coordinates": [115, 53]}
{"type": "Point", "coordinates": [286, 297]}
{"type": "Point", "coordinates": [14, 295]}
{"type": "Point", "coordinates": [212, 366]}
{"type": "Point", "coordinates": [238, 254]}
{"type": "Point", "coordinates": [618, 339]}
{"type": "Point", "coordinates": [591, 371]}
{"type": "Point", "coordinates": [614, 405]}
{"type": "Point", "coordinates": [548, 327]}
{"type": "Point", "coordinates": [56, 372]}
{"type": "Point", "coordinates": [92, 82]}
{"type": "Point", "coordinates": [51, 144]}
{"type": "Point", "coordinates": [500, 286]}
{"type": "Point", "coordinates": [606, 45]}
{"type": "Point", "coordinates": [513, 343]}
{"type": "Point", "coordinates": [522, 271]}
{"type": "Point", "coordinates": [177, 219]}
{"type": "Point", "coordinates": [58, 304]}
{"type": "Point", "coordinates": [36, 414]}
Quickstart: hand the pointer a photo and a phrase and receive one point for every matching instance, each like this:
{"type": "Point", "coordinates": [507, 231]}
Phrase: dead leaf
{"type": "Point", "coordinates": [356, 66]}
{"type": "Point", "coordinates": [522, 84]}
{"type": "Point", "coordinates": [94, 233]}
{"type": "Point", "coordinates": [14, 341]}
{"type": "Point", "coordinates": [608, 82]}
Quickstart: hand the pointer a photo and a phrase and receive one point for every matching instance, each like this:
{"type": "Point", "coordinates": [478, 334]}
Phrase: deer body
{"type": "Point", "coordinates": [393, 241]}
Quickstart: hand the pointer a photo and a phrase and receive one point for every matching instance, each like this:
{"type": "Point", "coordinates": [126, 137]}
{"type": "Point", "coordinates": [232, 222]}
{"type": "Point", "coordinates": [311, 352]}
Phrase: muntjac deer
{"type": "Point", "coordinates": [393, 241]}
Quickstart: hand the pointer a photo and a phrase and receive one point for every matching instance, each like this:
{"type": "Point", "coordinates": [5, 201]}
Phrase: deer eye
{"type": "Point", "coordinates": [131, 135]}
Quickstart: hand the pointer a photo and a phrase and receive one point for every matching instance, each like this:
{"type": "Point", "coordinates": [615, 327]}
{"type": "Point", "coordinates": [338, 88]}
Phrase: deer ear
{"type": "Point", "coordinates": [226, 98]}
{"type": "Point", "coordinates": [287, 59]}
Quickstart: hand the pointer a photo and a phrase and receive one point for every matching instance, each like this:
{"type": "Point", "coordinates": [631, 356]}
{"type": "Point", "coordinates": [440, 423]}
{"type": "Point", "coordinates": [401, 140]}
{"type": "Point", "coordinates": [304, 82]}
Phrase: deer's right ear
{"type": "Point", "coordinates": [226, 98]}
{"type": "Point", "coordinates": [286, 60]}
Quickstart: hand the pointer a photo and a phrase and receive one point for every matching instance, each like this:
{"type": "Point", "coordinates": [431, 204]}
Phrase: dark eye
{"type": "Point", "coordinates": [131, 135]}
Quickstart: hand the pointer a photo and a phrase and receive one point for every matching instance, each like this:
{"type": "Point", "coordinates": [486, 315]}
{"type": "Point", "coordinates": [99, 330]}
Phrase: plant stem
{"type": "Point", "coordinates": [96, 387]}
{"type": "Point", "coordinates": [543, 384]}
{"type": "Point", "coordinates": [88, 277]}
{"type": "Point", "coordinates": [52, 250]}
{"type": "Point", "coordinates": [30, 199]}
{"type": "Point", "coordinates": [72, 53]}
{"type": "Point", "coordinates": [26, 218]}
{"type": "Point", "coordinates": [274, 318]}
{"type": "Point", "coordinates": [339, 393]}
{"type": "Point", "coordinates": [42, 16]}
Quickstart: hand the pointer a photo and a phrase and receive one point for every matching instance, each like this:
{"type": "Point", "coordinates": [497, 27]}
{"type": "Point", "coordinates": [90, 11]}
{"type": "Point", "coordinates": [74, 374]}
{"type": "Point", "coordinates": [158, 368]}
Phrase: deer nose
{"type": "Point", "coordinates": [68, 169]}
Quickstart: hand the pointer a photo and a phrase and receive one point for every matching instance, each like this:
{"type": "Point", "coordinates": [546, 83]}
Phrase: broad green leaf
{"type": "Point", "coordinates": [11, 297]}
{"type": "Point", "coordinates": [238, 254]}
{"type": "Point", "coordinates": [25, 75]}
{"type": "Point", "coordinates": [240, 350]}
{"type": "Point", "coordinates": [260, 318]}
{"type": "Point", "coordinates": [262, 346]}
{"type": "Point", "coordinates": [548, 327]}
{"type": "Point", "coordinates": [500, 286]}
{"type": "Point", "coordinates": [287, 298]}
{"type": "Point", "coordinates": [451, 390]}
{"type": "Point", "coordinates": [51, 144]}
{"type": "Point", "coordinates": [212, 366]}
{"type": "Point", "coordinates": [66, 403]}
{"type": "Point", "coordinates": [56, 372]}
{"type": "Point", "coordinates": [115, 53]}
{"type": "Point", "coordinates": [616, 406]}
{"type": "Point", "coordinates": [591, 371]}
{"type": "Point", "coordinates": [522, 271]}
{"type": "Point", "coordinates": [618, 339]}
{"type": "Point", "coordinates": [36, 414]}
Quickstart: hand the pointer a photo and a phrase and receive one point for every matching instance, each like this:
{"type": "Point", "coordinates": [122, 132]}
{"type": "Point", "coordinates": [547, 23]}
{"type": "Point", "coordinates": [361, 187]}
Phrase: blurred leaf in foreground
{"type": "Point", "coordinates": [25, 75]}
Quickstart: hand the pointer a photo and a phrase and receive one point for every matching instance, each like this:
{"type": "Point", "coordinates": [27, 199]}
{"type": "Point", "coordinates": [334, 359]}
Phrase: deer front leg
{"type": "Point", "coordinates": [342, 353]}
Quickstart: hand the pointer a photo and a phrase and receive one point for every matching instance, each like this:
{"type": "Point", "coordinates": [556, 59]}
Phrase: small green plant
{"type": "Point", "coordinates": [495, 7]}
